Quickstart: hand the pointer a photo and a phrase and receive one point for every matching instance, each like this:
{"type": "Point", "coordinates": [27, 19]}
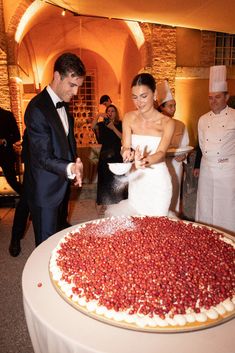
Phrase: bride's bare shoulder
{"type": "Point", "coordinates": [131, 116]}
{"type": "Point", "coordinates": [166, 119]}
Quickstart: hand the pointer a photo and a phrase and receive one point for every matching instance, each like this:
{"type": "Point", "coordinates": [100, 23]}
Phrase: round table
{"type": "Point", "coordinates": [57, 327]}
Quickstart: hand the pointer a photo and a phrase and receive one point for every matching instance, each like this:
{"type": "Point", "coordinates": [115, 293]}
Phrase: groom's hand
{"type": "Point", "coordinates": [77, 169]}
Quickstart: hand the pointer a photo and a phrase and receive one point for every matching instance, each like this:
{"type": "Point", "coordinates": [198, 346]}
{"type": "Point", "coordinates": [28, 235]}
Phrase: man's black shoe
{"type": "Point", "coordinates": [14, 248]}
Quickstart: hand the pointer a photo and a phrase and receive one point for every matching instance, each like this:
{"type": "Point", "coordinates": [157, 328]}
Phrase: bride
{"type": "Point", "coordinates": [147, 135]}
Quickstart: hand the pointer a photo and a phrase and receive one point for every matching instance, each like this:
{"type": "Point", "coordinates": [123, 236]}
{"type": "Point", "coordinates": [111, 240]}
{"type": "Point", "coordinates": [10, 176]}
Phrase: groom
{"type": "Point", "coordinates": [50, 147]}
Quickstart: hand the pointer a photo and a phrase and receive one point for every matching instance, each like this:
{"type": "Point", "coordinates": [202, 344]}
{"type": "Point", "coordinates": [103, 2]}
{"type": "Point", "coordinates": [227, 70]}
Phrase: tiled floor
{"type": "Point", "coordinates": [14, 336]}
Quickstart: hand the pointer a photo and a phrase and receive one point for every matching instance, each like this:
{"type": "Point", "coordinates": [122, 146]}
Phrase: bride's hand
{"type": "Point", "coordinates": [128, 155]}
{"type": "Point", "coordinates": [139, 159]}
{"type": "Point", "coordinates": [142, 161]}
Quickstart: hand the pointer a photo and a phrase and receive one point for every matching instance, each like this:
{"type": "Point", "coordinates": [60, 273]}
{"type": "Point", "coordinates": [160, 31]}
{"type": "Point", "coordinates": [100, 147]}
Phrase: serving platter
{"type": "Point", "coordinates": [169, 329]}
{"type": "Point", "coordinates": [133, 326]}
{"type": "Point", "coordinates": [179, 151]}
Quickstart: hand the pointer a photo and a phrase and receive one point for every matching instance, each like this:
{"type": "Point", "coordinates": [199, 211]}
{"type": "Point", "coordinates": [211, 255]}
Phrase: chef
{"type": "Point", "coordinates": [167, 106]}
{"type": "Point", "coordinates": [216, 133]}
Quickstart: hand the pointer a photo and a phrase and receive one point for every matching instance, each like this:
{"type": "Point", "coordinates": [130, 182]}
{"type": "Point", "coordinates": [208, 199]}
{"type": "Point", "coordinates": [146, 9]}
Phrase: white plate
{"type": "Point", "coordinates": [178, 151]}
{"type": "Point", "coordinates": [120, 168]}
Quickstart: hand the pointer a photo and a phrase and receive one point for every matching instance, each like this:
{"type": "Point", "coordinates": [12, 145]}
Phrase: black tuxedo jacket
{"type": "Point", "coordinates": [10, 132]}
{"type": "Point", "coordinates": [47, 152]}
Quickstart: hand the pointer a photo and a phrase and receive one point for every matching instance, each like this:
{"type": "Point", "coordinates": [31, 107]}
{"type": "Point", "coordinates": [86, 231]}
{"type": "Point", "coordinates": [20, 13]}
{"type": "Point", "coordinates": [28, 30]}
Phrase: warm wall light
{"type": "Point", "coordinates": [137, 32]}
{"type": "Point", "coordinates": [30, 12]}
{"type": "Point", "coordinates": [63, 12]}
{"type": "Point", "coordinates": [17, 79]}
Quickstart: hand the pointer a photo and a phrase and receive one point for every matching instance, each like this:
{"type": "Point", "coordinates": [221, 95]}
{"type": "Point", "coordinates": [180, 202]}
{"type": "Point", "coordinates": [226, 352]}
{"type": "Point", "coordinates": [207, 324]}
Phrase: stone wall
{"type": "Point", "coordinates": [164, 53]}
{"type": "Point", "coordinates": [159, 52]}
{"type": "Point", "coordinates": [10, 83]}
{"type": "Point", "coordinates": [4, 82]}
{"type": "Point", "coordinates": [10, 88]}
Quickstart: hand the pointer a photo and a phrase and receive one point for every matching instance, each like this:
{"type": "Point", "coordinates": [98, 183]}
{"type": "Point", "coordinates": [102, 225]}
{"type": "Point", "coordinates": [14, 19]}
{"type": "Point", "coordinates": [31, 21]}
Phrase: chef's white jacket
{"type": "Point", "coordinates": [216, 185]}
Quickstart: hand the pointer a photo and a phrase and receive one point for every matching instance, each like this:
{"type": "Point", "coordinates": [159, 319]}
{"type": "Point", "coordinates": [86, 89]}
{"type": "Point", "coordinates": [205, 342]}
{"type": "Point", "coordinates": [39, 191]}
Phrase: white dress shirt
{"type": "Point", "coordinates": [61, 111]}
{"type": "Point", "coordinates": [64, 119]}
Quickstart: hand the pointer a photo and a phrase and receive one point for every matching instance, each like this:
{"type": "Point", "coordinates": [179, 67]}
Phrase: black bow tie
{"type": "Point", "coordinates": [60, 105]}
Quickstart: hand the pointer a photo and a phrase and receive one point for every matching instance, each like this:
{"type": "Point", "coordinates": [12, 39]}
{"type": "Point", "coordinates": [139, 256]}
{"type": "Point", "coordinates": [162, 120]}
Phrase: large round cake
{"type": "Point", "coordinates": [148, 273]}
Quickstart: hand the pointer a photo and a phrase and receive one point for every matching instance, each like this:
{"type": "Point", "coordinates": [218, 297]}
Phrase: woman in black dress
{"type": "Point", "coordinates": [109, 134]}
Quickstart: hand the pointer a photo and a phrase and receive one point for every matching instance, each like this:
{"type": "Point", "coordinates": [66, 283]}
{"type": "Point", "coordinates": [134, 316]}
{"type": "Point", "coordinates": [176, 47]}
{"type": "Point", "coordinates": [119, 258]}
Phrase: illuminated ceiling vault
{"type": "Point", "coordinates": [214, 15]}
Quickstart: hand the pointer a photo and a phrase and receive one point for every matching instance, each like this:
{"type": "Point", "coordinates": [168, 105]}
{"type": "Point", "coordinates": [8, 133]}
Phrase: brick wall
{"type": "Point", "coordinates": [146, 50]}
{"type": "Point", "coordinates": [164, 53]}
{"type": "Point", "coordinates": [10, 85]}
{"type": "Point", "coordinates": [4, 82]}
{"type": "Point", "coordinates": [159, 53]}
{"type": "Point", "coordinates": [2, 31]}
{"type": "Point", "coordinates": [10, 88]}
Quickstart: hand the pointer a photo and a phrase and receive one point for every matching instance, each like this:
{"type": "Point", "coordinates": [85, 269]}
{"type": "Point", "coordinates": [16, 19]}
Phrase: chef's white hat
{"type": "Point", "coordinates": [163, 92]}
{"type": "Point", "coordinates": [217, 82]}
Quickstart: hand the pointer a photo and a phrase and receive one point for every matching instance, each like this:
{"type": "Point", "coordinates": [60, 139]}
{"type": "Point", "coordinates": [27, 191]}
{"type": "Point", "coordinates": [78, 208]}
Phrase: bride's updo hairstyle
{"type": "Point", "coordinates": [144, 79]}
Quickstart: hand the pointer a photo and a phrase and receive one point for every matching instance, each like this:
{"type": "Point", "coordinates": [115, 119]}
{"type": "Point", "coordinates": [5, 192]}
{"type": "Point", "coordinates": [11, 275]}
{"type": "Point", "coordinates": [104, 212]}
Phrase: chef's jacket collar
{"type": "Point", "coordinates": [223, 112]}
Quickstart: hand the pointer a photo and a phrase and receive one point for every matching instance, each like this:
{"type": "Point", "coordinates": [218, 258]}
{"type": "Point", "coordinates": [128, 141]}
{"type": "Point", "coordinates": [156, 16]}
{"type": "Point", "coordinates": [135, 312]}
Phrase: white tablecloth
{"type": "Point", "coordinates": [56, 327]}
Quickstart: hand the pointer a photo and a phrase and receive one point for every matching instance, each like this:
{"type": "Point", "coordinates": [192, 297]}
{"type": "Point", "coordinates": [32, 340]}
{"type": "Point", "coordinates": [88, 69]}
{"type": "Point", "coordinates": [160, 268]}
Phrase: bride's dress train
{"type": "Point", "coordinates": [150, 189]}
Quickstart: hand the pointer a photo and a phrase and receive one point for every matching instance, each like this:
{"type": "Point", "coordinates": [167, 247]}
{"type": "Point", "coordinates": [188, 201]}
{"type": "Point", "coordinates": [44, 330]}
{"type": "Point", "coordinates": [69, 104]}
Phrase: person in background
{"type": "Point", "coordinates": [109, 134]}
{"type": "Point", "coordinates": [231, 102]}
{"type": "Point", "coordinates": [196, 171]}
{"type": "Point", "coordinates": [146, 137]}
{"type": "Point", "coordinates": [51, 147]}
{"type": "Point", "coordinates": [197, 162]}
{"type": "Point", "coordinates": [9, 134]}
{"type": "Point", "coordinates": [105, 100]}
{"type": "Point", "coordinates": [21, 216]}
{"type": "Point", "coordinates": [167, 106]}
{"type": "Point", "coordinates": [216, 134]}
{"type": "Point", "coordinates": [20, 223]}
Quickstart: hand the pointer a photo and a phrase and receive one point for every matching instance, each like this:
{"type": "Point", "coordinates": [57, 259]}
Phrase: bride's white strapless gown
{"type": "Point", "coordinates": [150, 189]}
